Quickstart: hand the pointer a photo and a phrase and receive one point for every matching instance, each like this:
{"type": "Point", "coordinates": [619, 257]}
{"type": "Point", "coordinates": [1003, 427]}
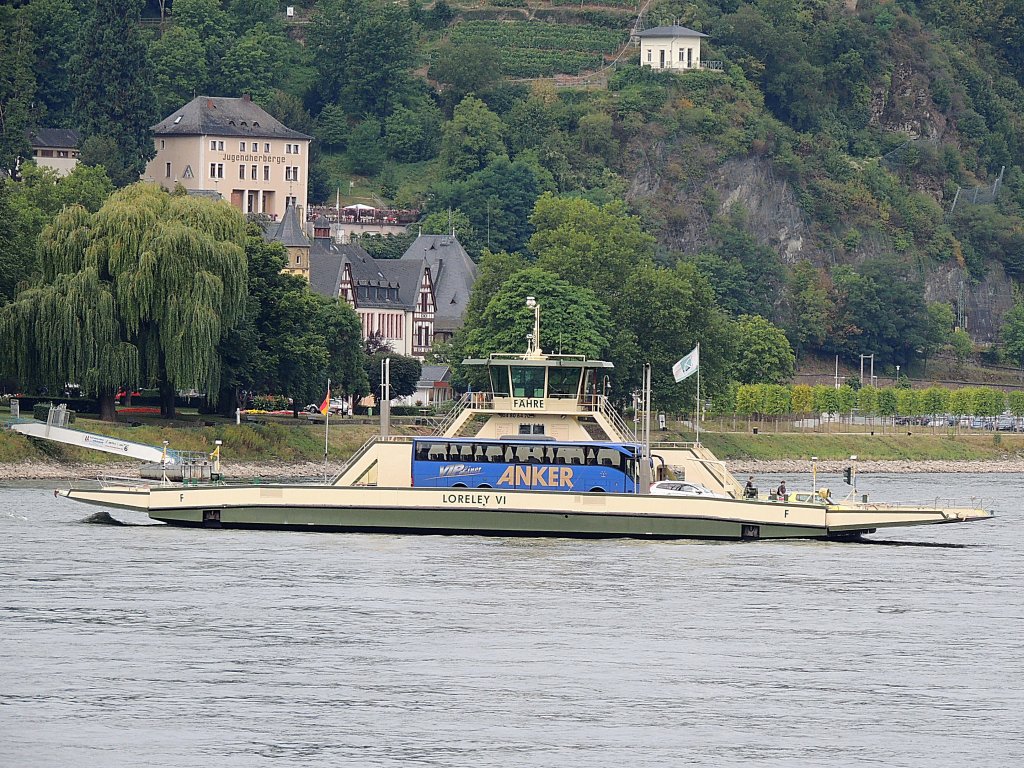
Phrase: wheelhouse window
{"type": "Point", "coordinates": [563, 382]}
{"type": "Point", "coordinates": [527, 381]}
{"type": "Point", "coordinates": [499, 380]}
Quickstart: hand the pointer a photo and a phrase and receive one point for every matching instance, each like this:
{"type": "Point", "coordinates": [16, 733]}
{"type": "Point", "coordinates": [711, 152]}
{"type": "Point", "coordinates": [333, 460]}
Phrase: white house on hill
{"type": "Point", "coordinates": [670, 48]}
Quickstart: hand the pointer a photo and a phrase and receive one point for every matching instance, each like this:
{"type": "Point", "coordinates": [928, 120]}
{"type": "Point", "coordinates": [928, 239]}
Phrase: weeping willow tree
{"type": "Point", "coordinates": [142, 291]}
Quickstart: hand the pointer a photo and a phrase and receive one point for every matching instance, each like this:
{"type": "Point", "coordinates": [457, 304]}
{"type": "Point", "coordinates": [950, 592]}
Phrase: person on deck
{"type": "Point", "coordinates": [781, 492]}
{"type": "Point", "coordinates": [749, 491]}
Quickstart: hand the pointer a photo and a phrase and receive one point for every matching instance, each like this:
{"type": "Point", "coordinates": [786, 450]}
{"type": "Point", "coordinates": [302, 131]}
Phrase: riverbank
{"type": "Point", "coordinates": [308, 470]}
{"type": "Point", "coordinates": [284, 447]}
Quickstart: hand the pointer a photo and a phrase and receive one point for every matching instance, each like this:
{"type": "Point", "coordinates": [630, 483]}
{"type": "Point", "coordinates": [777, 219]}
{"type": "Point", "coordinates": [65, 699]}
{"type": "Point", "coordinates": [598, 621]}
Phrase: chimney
{"type": "Point", "coordinates": [246, 97]}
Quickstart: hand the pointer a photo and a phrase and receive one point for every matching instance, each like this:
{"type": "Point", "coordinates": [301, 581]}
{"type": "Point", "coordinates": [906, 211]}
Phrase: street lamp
{"type": "Point", "coordinates": [897, 374]}
{"type": "Point", "coordinates": [534, 344]}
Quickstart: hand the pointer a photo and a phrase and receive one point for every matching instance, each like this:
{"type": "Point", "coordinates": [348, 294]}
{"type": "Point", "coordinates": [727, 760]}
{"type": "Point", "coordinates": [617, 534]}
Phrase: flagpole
{"type": "Point", "coordinates": [327, 429]}
{"type": "Point", "coordinates": [698, 393]}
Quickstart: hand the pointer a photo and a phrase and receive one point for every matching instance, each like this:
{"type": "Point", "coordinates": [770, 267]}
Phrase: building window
{"type": "Point", "coordinates": [266, 173]}
{"type": "Point", "coordinates": [216, 170]}
{"type": "Point", "coordinates": [682, 55]}
{"type": "Point", "coordinates": [241, 146]}
{"type": "Point", "coordinates": [167, 170]}
{"type": "Point", "coordinates": [291, 173]}
{"type": "Point", "coordinates": [161, 143]}
{"type": "Point", "coordinates": [217, 146]}
{"type": "Point", "coordinates": [266, 148]}
{"type": "Point", "coordinates": [648, 55]}
{"type": "Point", "coordinates": [255, 147]}
{"type": "Point", "coordinates": [241, 172]}
{"type": "Point", "coordinates": [291, 149]}
{"type": "Point", "coordinates": [253, 173]}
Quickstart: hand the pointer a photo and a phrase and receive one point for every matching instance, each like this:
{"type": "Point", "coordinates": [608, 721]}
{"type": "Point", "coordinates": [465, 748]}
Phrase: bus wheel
{"type": "Point", "coordinates": [459, 485]}
{"type": "Point", "coordinates": [597, 490]}
{"type": "Point", "coordinates": [485, 485]}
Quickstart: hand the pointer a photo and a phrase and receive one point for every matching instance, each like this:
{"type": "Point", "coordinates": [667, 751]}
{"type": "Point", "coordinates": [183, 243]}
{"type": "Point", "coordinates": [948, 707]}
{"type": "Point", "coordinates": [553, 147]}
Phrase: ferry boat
{"type": "Point", "coordinates": [539, 452]}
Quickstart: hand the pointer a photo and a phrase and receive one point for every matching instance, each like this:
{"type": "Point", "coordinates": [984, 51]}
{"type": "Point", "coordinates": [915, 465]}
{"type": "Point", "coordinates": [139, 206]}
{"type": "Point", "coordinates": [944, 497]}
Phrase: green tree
{"type": "Point", "coordinates": [291, 341]}
{"type": "Point", "coordinates": [180, 68]}
{"type": "Point", "coordinates": [867, 401]}
{"type": "Point", "coordinates": [113, 84]}
{"type": "Point", "coordinates": [493, 270]}
{"type": "Point", "coordinates": [763, 353]}
{"type": "Point", "coordinates": [17, 255]}
{"type": "Point", "coordinates": [595, 246]}
{"type": "Point", "coordinates": [365, 148]}
{"type": "Point", "coordinates": [142, 290]}
{"type": "Point", "coordinates": [810, 307]}
{"type": "Point", "coordinates": [471, 140]}
{"type": "Point", "coordinates": [254, 64]}
{"type": "Point", "coordinates": [465, 68]}
{"type": "Point", "coordinates": [17, 86]}
{"type": "Point", "coordinates": [960, 402]}
{"type": "Point", "coordinates": [803, 398]}
{"type": "Point", "coordinates": [573, 319]}
{"type": "Point", "coordinates": [596, 136]}
{"type": "Point", "coordinates": [1015, 402]}
{"type": "Point", "coordinates": [1012, 333]}
{"type": "Point", "coordinates": [962, 345]}
{"type": "Point", "coordinates": [678, 310]}
{"type": "Point", "coordinates": [404, 374]}
{"type": "Point", "coordinates": [362, 53]}
{"type": "Point", "coordinates": [881, 311]}
{"type": "Point", "coordinates": [939, 329]}
{"type": "Point", "coordinates": [55, 25]}
{"type": "Point", "coordinates": [27, 206]}
{"type": "Point", "coordinates": [888, 402]}
{"type": "Point", "coordinates": [413, 133]}
{"type": "Point", "coordinates": [332, 126]}
{"type": "Point", "coordinates": [102, 154]}
{"type": "Point", "coordinates": [498, 201]}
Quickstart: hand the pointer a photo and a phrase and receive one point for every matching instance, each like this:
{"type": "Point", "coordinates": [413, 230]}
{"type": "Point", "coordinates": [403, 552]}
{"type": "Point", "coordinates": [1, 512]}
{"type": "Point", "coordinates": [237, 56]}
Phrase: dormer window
{"type": "Point", "coordinates": [177, 119]}
{"type": "Point", "coordinates": [255, 124]}
{"type": "Point", "coordinates": [245, 124]}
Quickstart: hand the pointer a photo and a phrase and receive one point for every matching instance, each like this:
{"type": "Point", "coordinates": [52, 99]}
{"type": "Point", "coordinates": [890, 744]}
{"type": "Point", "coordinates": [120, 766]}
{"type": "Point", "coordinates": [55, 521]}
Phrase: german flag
{"type": "Point", "coordinates": [327, 401]}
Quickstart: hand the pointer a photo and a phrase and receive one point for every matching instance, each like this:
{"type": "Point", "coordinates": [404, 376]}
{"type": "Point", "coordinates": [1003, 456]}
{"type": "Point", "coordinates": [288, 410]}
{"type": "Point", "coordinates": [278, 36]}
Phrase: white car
{"type": "Point", "coordinates": [681, 488]}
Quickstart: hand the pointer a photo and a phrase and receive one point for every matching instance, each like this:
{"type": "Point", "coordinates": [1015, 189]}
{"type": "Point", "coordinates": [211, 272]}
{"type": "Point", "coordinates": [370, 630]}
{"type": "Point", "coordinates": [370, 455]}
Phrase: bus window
{"type": "Point", "coordinates": [609, 457]}
{"type": "Point", "coordinates": [494, 454]}
{"type": "Point", "coordinates": [529, 454]}
{"type": "Point", "coordinates": [423, 451]}
{"type": "Point", "coordinates": [570, 454]}
{"type": "Point", "coordinates": [438, 452]}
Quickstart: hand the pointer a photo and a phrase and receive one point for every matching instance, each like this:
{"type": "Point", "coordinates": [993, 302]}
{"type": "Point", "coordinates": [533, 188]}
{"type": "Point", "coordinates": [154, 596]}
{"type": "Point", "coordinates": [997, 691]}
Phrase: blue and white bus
{"type": "Point", "coordinates": [524, 464]}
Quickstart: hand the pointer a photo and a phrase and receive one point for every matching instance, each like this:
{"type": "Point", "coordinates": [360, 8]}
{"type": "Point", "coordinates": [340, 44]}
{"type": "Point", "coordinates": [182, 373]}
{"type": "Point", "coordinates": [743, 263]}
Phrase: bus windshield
{"type": "Point", "coordinates": [524, 465]}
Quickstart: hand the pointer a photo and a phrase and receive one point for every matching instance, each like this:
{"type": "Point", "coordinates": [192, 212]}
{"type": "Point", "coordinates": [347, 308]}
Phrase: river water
{"type": "Point", "coordinates": [146, 645]}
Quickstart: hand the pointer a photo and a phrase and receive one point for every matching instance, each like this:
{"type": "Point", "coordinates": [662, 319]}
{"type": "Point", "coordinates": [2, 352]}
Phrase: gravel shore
{"type": "Point", "coordinates": [309, 469]}
{"type": "Point", "coordinates": [59, 471]}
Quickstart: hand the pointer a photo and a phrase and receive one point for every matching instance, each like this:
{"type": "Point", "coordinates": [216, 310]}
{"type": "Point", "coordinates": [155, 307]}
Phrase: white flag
{"type": "Point", "coordinates": [688, 365]}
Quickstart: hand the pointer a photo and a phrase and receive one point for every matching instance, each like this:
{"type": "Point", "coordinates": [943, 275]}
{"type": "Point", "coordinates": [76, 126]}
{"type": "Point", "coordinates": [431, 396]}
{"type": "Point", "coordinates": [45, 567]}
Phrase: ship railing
{"type": "Point", "coordinates": [363, 450]}
{"type": "Point", "coordinates": [124, 481]}
{"type": "Point", "coordinates": [608, 411]}
{"type": "Point", "coordinates": [474, 399]}
{"type": "Point", "coordinates": [716, 468]}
